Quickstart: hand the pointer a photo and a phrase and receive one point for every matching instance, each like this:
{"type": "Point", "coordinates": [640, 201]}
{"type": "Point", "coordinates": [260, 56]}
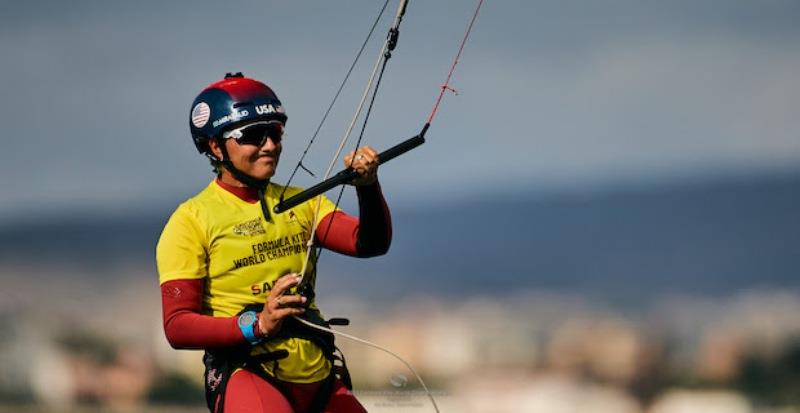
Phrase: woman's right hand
{"type": "Point", "coordinates": [280, 305]}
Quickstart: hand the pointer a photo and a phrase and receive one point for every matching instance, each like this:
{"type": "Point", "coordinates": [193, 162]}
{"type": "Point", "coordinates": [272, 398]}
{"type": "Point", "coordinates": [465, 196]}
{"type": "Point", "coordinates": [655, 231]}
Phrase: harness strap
{"type": "Point", "coordinates": [220, 366]}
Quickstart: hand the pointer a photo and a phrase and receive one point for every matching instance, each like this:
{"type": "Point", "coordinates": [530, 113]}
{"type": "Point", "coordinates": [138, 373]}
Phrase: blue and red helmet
{"type": "Point", "coordinates": [232, 101]}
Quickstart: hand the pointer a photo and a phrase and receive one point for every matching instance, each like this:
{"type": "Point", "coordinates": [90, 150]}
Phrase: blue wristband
{"type": "Point", "coordinates": [246, 323]}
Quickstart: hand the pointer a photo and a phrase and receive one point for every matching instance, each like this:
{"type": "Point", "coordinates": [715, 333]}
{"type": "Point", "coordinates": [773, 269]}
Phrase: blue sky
{"type": "Point", "coordinates": [552, 94]}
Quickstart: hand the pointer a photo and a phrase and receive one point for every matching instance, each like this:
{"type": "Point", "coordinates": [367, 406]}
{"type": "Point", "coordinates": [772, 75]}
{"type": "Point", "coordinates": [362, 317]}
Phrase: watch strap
{"type": "Point", "coordinates": [247, 323]}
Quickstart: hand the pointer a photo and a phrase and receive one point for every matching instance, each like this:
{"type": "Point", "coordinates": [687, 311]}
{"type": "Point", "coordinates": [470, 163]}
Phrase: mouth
{"type": "Point", "coordinates": [267, 160]}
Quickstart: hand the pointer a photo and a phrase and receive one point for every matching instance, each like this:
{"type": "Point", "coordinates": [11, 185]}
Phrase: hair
{"type": "Point", "coordinates": [216, 166]}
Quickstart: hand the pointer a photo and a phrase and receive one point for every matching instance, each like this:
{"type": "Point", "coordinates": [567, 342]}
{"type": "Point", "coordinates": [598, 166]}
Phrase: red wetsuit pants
{"type": "Point", "coordinates": [247, 392]}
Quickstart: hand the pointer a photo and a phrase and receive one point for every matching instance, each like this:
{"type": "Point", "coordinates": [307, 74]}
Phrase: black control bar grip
{"type": "Point", "coordinates": [347, 175]}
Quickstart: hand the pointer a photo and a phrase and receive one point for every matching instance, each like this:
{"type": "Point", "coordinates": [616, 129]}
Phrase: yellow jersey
{"type": "Point", "coordinates": [225, 240]}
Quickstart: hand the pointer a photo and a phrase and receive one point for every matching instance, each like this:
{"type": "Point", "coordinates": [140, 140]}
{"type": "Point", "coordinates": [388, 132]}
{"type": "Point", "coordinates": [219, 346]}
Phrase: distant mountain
{"type": "Point", "coordinates": [625, 245]}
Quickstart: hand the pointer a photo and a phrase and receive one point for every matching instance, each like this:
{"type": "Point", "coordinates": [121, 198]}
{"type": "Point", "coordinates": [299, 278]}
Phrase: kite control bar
{"type": "Point", "coordinates": [347, 175]}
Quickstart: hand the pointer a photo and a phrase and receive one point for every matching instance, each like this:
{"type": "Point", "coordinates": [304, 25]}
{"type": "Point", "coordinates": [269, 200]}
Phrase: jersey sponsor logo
{"type": "Point", "coordinates": [263, 288]}
{"type": "Point", "coordinates": [200, 114]}
{"type": "Point", "coordinates": [249, 228]}
{"type": "Point", "coordinates": [233, 117]}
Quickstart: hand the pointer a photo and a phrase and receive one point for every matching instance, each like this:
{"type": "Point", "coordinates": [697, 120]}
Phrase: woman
{"type": "Point", "coordinates": [229, 269]}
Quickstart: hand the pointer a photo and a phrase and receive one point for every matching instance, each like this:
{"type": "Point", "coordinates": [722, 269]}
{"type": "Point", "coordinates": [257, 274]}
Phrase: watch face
{"type": "Point", "coordinates": [247, 319]}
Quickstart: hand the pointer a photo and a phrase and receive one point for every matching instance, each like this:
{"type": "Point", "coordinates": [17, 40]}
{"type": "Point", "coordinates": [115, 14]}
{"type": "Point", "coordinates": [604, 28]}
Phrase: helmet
{"type": "Point", "coordinates": [232, 101]}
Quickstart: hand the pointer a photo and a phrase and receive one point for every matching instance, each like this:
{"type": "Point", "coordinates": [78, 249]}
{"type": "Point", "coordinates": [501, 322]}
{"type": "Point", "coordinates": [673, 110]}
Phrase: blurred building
{"type": "Point", "coordinates": [682, 401]}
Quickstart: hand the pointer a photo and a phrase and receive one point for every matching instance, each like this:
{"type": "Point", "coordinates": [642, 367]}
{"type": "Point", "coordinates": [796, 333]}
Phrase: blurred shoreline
{"type": "Point", "coordinates": [737, 350]}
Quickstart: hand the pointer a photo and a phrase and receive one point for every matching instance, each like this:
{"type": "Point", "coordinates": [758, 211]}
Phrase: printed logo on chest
{"type": "Point", "coordinates": [249, 228]}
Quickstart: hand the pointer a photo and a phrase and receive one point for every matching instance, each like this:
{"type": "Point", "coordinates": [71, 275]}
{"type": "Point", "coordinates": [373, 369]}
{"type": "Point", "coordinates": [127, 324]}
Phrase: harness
{"type": "Point", "coordinates": [221, 363]}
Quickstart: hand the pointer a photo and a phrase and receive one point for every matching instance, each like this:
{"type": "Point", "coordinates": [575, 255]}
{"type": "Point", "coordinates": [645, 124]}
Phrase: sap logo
{"type": "Point", "coordinates": [265, 109]}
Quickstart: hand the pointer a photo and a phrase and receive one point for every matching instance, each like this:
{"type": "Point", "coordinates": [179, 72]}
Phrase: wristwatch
{"type": "Point", "coordinates": [247, 323]}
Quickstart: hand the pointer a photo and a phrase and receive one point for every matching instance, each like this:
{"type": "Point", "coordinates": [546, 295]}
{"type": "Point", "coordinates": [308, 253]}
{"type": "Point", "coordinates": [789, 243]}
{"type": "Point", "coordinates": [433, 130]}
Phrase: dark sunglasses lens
{"type": "Point", "coordinates": [257, 134]}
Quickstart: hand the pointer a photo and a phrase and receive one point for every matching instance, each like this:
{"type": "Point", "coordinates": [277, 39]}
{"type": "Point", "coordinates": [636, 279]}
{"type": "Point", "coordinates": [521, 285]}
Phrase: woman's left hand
{"type": "Point", "coordinates": [365, 162]}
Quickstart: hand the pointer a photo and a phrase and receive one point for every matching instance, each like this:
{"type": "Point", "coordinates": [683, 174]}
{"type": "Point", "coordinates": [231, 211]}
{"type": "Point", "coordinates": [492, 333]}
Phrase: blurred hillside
{"type": "Point", "coordinates": [625, 246]}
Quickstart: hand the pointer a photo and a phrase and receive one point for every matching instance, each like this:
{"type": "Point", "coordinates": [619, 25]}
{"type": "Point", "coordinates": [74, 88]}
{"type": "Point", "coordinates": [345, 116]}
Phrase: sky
{"type": "Point", "coordinates": [552, 95]}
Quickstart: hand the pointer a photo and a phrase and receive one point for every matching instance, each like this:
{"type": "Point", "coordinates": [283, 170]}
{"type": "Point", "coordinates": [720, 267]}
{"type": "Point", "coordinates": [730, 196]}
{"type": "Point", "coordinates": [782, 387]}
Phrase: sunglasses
{"type": "Point", "coordinates": [256, 133]}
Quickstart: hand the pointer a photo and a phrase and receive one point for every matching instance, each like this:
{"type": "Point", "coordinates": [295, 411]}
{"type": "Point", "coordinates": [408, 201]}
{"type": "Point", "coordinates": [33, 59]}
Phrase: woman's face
{"type": "Point", "coordinates": [253, 149]}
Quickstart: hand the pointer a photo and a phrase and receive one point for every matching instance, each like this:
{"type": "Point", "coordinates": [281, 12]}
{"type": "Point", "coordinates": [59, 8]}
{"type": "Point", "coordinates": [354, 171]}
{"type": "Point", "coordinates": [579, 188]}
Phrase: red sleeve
{"type": "Point", "coordinates": [367, 236]}
{"type": "Point", "coordinates": [338, 232]}
{"type": "Point", "coordinates": [184, 325]}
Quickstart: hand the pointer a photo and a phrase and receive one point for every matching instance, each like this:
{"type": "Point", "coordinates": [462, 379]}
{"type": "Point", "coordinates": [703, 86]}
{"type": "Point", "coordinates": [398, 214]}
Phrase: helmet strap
{"type": "Point", "coordinates": [258, 184]}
